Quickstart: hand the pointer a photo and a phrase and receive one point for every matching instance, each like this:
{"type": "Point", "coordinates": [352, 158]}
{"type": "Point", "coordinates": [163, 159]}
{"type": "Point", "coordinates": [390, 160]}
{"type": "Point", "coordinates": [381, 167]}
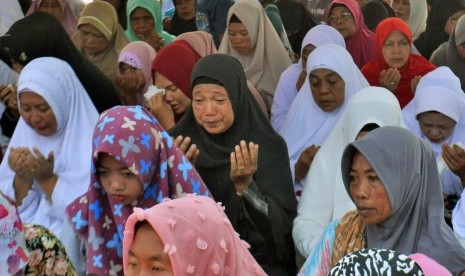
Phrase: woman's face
{"type": "Point", "coordinates": [37, 113]}
{"type": "Point", "coordinates": [212, 108]}
{"type": "Point", "coordinates": [53, 7]}
{"type": "Point", "coordinates": [396, 50]}
{"type": "Point", "coordinates": [120, 183]}
{"type": "Point", "coordinates": [185, 9]}
{"type": "Point", "coordinates": [239, 38]}
{"type": "Point", "coordinates": [452, 21]}
{"type": "Point", "coordinates": [401, 9]}
{"type": "Point", "coordinates": [178, 101]}
{"type": "Point", "coordinates": [435, 126]}
{"type": "Point", "coordinates": [93, 41]}
{"type": "Point", "coordinates": [342, 20]}
{"type": "Point", "coordinates": [328, 89]}
{"type": "Point", "coordinates": [142, 23]}
{"type": "Point", "coordinates": [367, 192]}
{"type": "Point", "coordinates": [147, 256]}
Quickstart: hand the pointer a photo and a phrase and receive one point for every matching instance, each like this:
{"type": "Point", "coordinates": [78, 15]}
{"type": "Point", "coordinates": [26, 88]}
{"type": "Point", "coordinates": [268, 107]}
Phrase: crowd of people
{"type": "Point", "coordinates": [232, 137]}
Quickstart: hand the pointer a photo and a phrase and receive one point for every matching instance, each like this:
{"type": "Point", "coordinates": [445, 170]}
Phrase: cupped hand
{"type": "Point", "coordinates": [244, 163]}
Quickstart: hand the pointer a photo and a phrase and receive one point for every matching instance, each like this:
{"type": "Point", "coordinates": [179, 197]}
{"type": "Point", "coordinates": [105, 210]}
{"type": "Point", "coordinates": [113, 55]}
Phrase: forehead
{"type": "Point", "coordinates": [236, 26]}
{"type": "Point", "coordinates": [140, 12]}
{"type": "Point", "coordinates": [340, 9]}
{"type": "Point", "coordinates": [433, 117]}
{"type": "Point", "coordinates": [50, 2]}
{"type": "Point", "coordinates": [397, 35]}
{"type": "Point", "coordinates": [209, 88]}
{"type": "Point", "coordinates": [323, 72]}
{"type": "Point", "coordinates": [31, 97]}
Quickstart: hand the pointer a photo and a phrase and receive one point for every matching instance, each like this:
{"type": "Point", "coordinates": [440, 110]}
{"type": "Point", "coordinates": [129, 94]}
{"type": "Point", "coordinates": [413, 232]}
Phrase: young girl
{"type": "Point", "coordinates": [135, 164]}
{"type": "Point", "coordinates": [190, 235]}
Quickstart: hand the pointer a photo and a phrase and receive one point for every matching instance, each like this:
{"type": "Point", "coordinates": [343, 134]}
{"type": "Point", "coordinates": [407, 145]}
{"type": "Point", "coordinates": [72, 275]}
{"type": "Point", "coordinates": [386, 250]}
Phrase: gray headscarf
{"type": "Point", "coordinates": [407, 168]}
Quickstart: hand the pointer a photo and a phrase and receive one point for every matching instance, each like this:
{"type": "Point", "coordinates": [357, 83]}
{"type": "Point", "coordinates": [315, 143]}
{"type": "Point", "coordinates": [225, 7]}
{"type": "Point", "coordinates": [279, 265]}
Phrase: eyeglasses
{"type": "Point", "coordinates": [344, 17]}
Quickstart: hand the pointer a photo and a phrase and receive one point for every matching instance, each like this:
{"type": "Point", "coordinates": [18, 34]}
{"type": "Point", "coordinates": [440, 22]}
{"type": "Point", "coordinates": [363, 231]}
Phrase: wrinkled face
{"type": "Point", "coordinates": [435, 126]}
{"type": "Point", "coordinates": [212, 108]}
{"type": "Point", "coordinates": [396, 50]}
{"type": "Point", "coordinates": [147, 256]}
{"type": "Point", "coordinates": [37, 113]}
{"type": "Point", "coordinates": [368, 192]}
{"type": "Point", "coordinates": [342, 20]}
{"type": "Point", "coordinates": [452, 21]}
{"type": "Point", "coordinates": [401, 9]}
{"type": "Point", "coordinates": [93, 41]}
{"type": "Point", "coordinates": [120, 183]}
{"type": "Point", "coordinates": [142, 23]}
{"type": "Point", "coordinates": [178, 101]}
{"type": "Point", "coordinates": [185, 9]}
{"type": "Point", "coordinates": [328, 89]}
{"type": "Point", "coordinates": [239, 38]}
{"type": "Point", "coordinates": [52, 7]}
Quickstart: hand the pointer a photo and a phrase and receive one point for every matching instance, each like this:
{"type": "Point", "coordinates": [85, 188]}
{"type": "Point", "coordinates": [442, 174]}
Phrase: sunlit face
{"type": "Point", "coordinates": [119, 182]}
{"type": "Point", "coordinates": [52, 7]}
{"type": "Point", "coordinates": [328, 89]}
{"type": "Point", "coordinates": [368, 192]}
{"type": "Point", "coordinates": [178, 101]}
{"type": "Point", "coordinates": [142, 23]}
{"type": "Point", "coordinates": [37, 113]}
{"type": "Point", "coordinates": [342, 20]}
{"type": "Point", "coordinates": [93, 41]}
{"type": "Point", "coordinates": [401, 9]}
{"type": "Point", "coordinates": [435, 126]}
{"type": "Point", "coordinates": [396, 50]}
{"type": "Point", "coordinates": [212, 108]}
{"type": "Point", "coordinates": [147, 256]}
{"type": "Point", "coordinates": [239, 38]}
{"type": "Point", "coordinates": [185, 9]}
{"type": "Point", "coordinates": [452, 21]}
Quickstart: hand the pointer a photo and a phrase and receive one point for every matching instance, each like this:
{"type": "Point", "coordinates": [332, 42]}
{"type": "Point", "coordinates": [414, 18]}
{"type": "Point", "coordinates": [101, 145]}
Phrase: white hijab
{"type": "Point", "coordinates": [9, 14]}
{"type": "Point", "coordinates": [417, 18]}
{"type": "Point", "coordinates": [439, 91]}
{"type": "Point", "coordinates": [76, 116]}
{"type": "Point", "coordinates": [324, 197]}
{"type": "Point", "coordinates": [286, 89]}
{"type": "Point", "coordinates": [308, 124]}
{"type": "Point", "coordinates": [268, 59]}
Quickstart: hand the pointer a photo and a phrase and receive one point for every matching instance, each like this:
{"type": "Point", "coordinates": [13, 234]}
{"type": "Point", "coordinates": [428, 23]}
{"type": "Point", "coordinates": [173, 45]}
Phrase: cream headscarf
{"type": "Point", "coordinates": [417, 19]}
{"type": "Point", "coordinates": [268, 59]}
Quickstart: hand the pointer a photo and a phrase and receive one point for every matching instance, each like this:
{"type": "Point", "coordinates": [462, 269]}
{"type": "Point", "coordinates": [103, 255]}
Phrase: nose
{"type": "Point", "coordinates": [359, 191]}
{"type": "Point", "coordinates": [35, 117]}
{"type": "Point", "coordinates": [324, 88]}
{"type": "Point", "coordinates": [115, 184]}
{"type": "Point", "coordinates": [209, 108]}
{"type": "Point", "coordinates": [435, 132]}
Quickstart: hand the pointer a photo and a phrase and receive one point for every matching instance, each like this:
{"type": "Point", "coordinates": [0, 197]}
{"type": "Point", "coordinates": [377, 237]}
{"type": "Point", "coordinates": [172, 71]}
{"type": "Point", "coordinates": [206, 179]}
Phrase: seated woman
{"type": "Point", "coordinates": [60, 9]}
{"type": "Point", "coordinates": [198, 239]}
{"type": "Point", "coordinates": [256, 188]}
{"type": "Point", "coordinates": [250, 32]}
{"type": "Point", "coordinates": [374, 12]}
{"type": "Point", "coordinates": [135, 164]}
{"type": "Point", "coordinates": [452, 52]}
{"type": "Point", "coordinates": [332, 79]}
{"type": "Point", "coordinates": [395, 68]}
{"type": "Point", "coordinates": [100, 37]}
{"type": "Point", "coordinates": [144, 19]}
{"type": "Point", "coordinates": [292, 79]}
{"type": "Point", "coordinates": [391, 176]}
{"type": "Point", "coordinates": [346, 17]}
{"type": "Point", "coordinates": [201, 41]}
{"type": "Point", "coordinates": [134, 74]}
{"type": "Point", "coordinates": [49, 151]}
{"type": "Point", "coordinates": [437, 114]}
{"type": "Point", "coordinates": [440, 23]}
{"type": "Point", "coordinates": [414, 13]}
{"type": "Point", "coordinates": [324, 197]}
{"type": "Point", "coordinates": [183, 19]}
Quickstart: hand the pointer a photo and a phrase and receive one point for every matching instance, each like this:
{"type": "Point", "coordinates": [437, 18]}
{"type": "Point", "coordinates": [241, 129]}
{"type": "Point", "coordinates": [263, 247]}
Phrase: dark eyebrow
{"type": "Point", "coordinates": [157, 257]}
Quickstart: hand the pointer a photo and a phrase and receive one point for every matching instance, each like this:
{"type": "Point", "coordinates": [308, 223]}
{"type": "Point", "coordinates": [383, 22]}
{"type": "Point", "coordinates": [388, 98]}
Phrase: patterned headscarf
{"type": "Point", "coordinates": [14, 255]}
{"type": "Point", "coordinates": [197, 236]}
{"type": "Point", "coordinates": [133, 136]}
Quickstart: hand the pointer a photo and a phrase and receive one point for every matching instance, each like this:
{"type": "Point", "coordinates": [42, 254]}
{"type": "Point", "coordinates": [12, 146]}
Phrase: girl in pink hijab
{"type": "Point", "coordinates": [60, 9]}
{"type": "Point", "coordinates": [190, 236]}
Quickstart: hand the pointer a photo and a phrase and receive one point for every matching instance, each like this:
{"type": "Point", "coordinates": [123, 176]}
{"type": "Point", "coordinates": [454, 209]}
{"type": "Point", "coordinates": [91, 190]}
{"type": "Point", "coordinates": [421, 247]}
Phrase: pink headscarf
{"type": "Point", "coordinates": [140, 55]}
{"type": "Point", "coordinates": [69, 20]}
{"type": "Point", "coordinates": [361, 45]}
{"type": "Point", "coordinates": [201, 41]}
{"type": "Point", "coordinates": [198, 236]}
{"type": "Point", "coordinates": [429, 266]}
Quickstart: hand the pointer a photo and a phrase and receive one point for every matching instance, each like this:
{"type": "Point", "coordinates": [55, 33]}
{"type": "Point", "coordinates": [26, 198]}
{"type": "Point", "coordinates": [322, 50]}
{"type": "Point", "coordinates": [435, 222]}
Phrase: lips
{"type": "Point", "coordinates": [364, 211]}
{"type": "Point", "coordinates": [119, 198]}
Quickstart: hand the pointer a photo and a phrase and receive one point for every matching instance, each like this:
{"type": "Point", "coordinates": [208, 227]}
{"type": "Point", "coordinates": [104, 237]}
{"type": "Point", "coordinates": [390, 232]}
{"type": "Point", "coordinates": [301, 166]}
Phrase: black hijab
{"type": "Point", "coordinates": [41, 35]}
{"type": "Point", "coordinates": [434, 35]}
{"type": "Point", "coordinates": [179, 26]}
{"type": "Point", "coordinates": [273, 177]}
{"type": "Point", "coordinates": [375, 11]}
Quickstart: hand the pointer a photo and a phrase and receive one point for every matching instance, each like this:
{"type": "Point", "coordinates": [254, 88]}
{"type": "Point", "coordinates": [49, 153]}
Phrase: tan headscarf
{"type": "Point", "coordinates": [268, 59]}
{"type": "Point", "coordinates": [102, 16]}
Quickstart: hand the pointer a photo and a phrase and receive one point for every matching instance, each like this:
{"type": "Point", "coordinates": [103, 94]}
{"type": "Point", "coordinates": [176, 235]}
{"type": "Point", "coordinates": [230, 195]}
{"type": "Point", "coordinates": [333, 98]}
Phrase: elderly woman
{"type": "Point", "coordinates": [395, 67]}
{"type": "Point", "coordinates": [256, 188]}
{"type": "Point", "coordinates": [392, 178]}
{"type": "Point", "coordinates": [100, 37]}
{"type": "Point", "coordinates": [60, 9]}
